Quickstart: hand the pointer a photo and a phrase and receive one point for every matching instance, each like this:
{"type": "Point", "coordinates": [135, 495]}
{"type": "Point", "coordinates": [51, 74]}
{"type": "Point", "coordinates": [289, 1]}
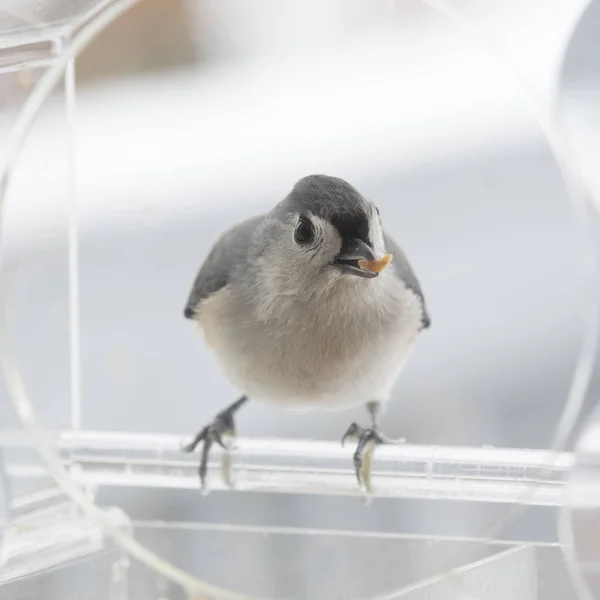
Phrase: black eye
{"type": "Point", "coordinates": [304, 232]}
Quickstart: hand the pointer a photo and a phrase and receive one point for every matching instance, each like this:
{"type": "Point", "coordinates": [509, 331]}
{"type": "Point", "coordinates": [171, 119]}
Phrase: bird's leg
{"type": "Point", "coordinates": [374, 409]}
{"type": "Point", "coordinates": [222, 424]}
{"type": "Point", "coordinates": [368, 439]}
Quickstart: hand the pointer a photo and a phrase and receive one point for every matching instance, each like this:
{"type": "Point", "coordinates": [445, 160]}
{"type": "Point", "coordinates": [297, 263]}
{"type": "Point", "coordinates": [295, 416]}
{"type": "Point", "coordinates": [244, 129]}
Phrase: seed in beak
{"type": "Point", "coordinates": [375, 266]}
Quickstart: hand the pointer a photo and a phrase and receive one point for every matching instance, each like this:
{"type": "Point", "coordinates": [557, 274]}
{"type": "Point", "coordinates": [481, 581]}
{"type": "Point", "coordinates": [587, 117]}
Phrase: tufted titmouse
{"type": "Point", "coordinates": [301, 309]}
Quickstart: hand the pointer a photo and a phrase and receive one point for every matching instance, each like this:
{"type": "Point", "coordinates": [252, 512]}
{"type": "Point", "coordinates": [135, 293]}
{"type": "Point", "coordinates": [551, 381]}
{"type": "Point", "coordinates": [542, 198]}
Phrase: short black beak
{"type": "Point", "coordinates": [352, 251]}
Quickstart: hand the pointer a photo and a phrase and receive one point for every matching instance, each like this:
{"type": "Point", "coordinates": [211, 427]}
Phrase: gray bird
{"type": "Point", "coordinates": [301, 311]}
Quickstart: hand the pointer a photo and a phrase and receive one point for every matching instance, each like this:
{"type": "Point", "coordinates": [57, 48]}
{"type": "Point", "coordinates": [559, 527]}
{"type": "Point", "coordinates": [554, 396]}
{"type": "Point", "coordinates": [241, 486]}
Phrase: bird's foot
{"type": "Point", "coordinates": [368, 439]}
{"type": "Point", "coordinates": [222, 426]}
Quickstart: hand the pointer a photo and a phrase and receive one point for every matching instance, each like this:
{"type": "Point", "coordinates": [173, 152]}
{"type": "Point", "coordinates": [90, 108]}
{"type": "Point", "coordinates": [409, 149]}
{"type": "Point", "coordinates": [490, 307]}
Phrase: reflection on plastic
{"type": "Point", "coordinates": [581, 516]}
{"type": "Point", "coordinates": [509, 574]}
{"type": "Point", "coordinates": [5, 497]}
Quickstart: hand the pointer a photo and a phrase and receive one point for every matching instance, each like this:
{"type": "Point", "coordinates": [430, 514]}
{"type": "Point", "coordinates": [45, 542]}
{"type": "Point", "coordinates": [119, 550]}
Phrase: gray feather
{"type": "Point", "coordinates": [403, 269]}
{"type": "Point", "coordinates": [228, 254]}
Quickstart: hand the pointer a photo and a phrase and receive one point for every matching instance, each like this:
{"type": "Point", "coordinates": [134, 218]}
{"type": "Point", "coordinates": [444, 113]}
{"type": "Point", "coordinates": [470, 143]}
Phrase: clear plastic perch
{"type": "Point", "coordinates": [506, 475]}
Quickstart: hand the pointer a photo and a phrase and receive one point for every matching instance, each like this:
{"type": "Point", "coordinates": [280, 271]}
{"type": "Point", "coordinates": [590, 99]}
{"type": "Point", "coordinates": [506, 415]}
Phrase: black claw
{"type": "Point", "coordinates": [200, 436]}
{"type": "Point", "coordinates": [204, 462]}
{"type": "Point", "coordinates": [352, 431]}
{"type": "Point", "coordinates": [365, 437]}
{"type": "Point", "coordinates": [223, 424]}
{"type": "Point", "coordinates": [219, 439]}
{"type": "Point", "coordinates": [358, 462]}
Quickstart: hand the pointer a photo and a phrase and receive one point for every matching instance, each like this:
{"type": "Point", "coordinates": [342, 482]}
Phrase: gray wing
{"type": "Point", "coordinates": [403, 269]}
{"type": "Point", "coordinates": [227, 253]}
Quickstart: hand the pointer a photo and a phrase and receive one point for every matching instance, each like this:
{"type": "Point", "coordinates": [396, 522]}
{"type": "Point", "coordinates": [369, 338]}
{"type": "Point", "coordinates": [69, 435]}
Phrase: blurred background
{"type": "Point", "coordinates": [191, 115]}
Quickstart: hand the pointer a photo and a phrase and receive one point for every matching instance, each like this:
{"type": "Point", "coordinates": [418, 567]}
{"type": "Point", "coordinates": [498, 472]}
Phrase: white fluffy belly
{"type": "Point", "coordinates": [363, 379]}
{"type": "Point", "coordinates": [331, 367]}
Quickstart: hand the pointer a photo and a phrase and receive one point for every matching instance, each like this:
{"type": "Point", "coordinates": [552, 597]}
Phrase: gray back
{"type": "Point", "coordinates": [403, 269]}
{"type": "Point", "coordinates": [228, 254]}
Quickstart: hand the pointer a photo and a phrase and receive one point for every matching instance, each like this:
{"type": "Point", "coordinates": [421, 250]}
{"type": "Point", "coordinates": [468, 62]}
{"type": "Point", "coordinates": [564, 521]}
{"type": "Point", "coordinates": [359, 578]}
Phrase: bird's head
{"type": "Point", "coordinates": [323, 232]}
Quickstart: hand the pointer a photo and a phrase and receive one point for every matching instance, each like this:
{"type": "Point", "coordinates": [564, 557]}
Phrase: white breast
{"type": "Point", "coordinates": [336, 352]}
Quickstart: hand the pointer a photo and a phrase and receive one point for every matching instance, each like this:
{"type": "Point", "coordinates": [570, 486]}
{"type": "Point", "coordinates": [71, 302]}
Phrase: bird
{"type": "Point", "coordinates": [312, 306]}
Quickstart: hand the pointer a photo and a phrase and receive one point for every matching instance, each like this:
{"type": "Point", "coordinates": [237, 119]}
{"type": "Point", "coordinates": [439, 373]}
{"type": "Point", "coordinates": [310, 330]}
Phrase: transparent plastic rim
{"type": "Point", "coordinates": [577, 192]}
{"type": "Point", "coordinates": [14, 380]}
